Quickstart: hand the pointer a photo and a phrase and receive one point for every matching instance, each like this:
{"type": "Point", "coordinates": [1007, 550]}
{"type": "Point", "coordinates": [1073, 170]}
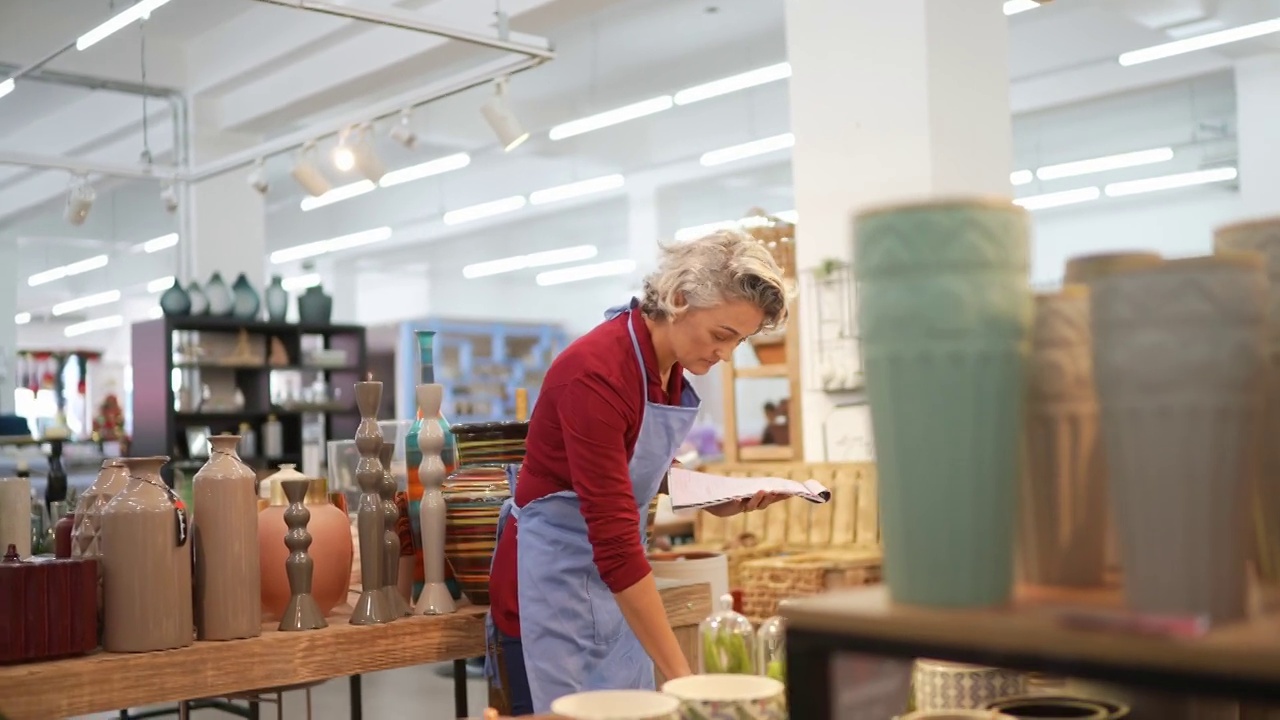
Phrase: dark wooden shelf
{"type": "Point", "coordinates": [228, 324]}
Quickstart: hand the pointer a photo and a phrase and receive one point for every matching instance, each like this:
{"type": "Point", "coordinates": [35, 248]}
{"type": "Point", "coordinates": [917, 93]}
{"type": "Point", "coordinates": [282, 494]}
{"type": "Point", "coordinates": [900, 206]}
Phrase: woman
{"type": "Point", "coordinates": [574, 603]}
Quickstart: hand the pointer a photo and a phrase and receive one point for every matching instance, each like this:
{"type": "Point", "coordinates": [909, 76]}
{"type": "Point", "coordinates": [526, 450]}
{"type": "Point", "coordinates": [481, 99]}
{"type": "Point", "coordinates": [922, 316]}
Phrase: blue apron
{"type": "Point", "coordinates": [573, 633]}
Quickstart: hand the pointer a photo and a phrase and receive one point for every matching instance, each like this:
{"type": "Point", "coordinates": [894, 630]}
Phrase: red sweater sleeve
{"type": "Point", "coordinates": [593, 418]}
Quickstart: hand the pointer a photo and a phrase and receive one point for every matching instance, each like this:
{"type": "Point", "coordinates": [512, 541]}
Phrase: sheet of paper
{"type": "Point", "coordinates": [690, 488]}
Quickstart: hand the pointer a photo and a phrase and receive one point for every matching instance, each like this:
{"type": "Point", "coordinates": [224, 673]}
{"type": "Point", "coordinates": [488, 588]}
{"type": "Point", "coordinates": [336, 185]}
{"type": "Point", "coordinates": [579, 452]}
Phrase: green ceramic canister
{"type": "Point", "coordinates": [945, 312]}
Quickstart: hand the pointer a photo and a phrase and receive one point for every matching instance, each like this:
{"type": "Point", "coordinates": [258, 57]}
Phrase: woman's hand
{"type": "Point", "coordinates": [759, 501]}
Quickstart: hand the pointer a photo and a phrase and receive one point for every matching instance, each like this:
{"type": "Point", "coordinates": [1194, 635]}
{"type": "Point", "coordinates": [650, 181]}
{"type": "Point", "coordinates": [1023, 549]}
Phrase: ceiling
{"type": "Point", "coordinates": [252, 71]}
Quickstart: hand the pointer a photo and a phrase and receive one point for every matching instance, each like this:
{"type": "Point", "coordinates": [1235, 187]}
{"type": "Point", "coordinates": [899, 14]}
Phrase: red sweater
{"type": "Point", "coordinates": [581, 437]}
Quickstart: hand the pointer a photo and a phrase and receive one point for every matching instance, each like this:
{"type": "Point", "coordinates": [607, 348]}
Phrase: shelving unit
{"type": "Point", "coordinates": [789, 369]}
{"type": "Point", "coordinates": [480, 365]}
{"type": "Point", "coordinates": [160, 427]}
{"type": "Point", "coordinates": [1239, 661]}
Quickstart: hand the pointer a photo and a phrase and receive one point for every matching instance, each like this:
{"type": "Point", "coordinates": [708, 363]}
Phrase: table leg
{"type": "Point", "coordinates": [357, 706]}
{"type": "Point", "coordinates": [460, 688]}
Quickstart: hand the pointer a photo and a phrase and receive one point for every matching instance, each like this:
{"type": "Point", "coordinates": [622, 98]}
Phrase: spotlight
{"type": "Point", "coordinates": [258, 177]}
{"type": "Point", "coordinates": [79, 200]}
{"type": "Point", "coordinates": [504, 123]}
{"type": "Point", "coordinates": [403, 131]}
{"type": "Point", "coordinates": [344, 158]}
{"type": "Point", "coordinates": [307, 174]}
{"type": "Point", "coordinates": [365, 157]}
{"type": "Point", "coordinates": [169, 196]}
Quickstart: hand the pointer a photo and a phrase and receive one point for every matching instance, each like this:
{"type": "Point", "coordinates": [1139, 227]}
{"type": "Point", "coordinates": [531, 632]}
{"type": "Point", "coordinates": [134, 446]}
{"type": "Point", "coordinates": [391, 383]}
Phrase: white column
{"type": "Point", "coordinates": [889, 100]}
{"type": "Point", "coordinates": [340, 282]}
{"type": "Point", "coordinates": [227, 218]}
{"type": "Point", "coordinates": [1258, 133]}
{"type": "Point", "coordinates": [8, 329]}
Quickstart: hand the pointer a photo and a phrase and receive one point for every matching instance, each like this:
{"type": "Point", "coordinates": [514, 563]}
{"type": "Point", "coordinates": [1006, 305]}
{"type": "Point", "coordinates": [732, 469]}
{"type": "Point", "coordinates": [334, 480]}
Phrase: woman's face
{"type": "Point", "coordinates": [702, 337]}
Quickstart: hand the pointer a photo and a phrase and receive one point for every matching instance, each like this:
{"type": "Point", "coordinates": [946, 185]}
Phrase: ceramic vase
{"type": "Point", "coordinates": [277, 300]}
{"type": "Point", "coordinates": [488, 457]}
{"type": "Point", "coordinates": [435, 598]}
{"type": "Point", "coordinates": [314, 306]}
{"type": "Point", "coordinates": [302, 612]}
{"type": "Point", "coordinates": [945, 314]}
{"type": "Point", "coordinates": [1180, 358]}
{"type": "Point", "coordinates": [224, 533]}
{"type": "Point", "coordinates": [146, 564]}
{"type": "Point", "coordinates": [372, 608]}
{"type": "Point", "coordinates": [331, 547]}
{"type": "Point", "coordinates": [938, 685]}
{"type": "Point", "coordinates": [199, 302]}
{"type": "Point", "coordinates": [244, 299]}
{"type": "Point", "coordinates": [1263, 237]}
{"type": "Point", "coordinates": [1084, 270]}
{"type": "Point", "coordinates": [391, 538]}
{"type": "Point", "coordinates": [111, 480]}
{"type": "Point", "coordinates": [15, 515]}
{"type": "Point", "coordinates": [425, 340]}
{"type": "Point", "coordinates": [221, 302]}
{"type": "Point", "coordinates": [175, 302]}
{"type": "Point", "coordinates": [1063, 514]}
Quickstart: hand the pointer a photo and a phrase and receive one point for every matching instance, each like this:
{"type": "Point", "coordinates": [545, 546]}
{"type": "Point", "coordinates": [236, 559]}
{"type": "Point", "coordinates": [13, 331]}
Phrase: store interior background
{"type": "Point", "coordinates": [250, 72]}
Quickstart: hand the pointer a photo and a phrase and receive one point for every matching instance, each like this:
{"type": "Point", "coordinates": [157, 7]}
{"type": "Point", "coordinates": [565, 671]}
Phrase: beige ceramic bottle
{"type": "Point", "coordinates": [146, 564]}
{"type": "Point", "coordinates": [224, 531]}
{"type": "Point", "coordinates": [87, 522]}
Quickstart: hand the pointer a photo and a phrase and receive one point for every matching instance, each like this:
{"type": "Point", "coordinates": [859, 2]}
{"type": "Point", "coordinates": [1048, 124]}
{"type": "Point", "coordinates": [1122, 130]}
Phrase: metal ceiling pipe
{"type": "Point", "coordinates": [410, 21]}
{"type": "Point", "coordinates": [90, 167]}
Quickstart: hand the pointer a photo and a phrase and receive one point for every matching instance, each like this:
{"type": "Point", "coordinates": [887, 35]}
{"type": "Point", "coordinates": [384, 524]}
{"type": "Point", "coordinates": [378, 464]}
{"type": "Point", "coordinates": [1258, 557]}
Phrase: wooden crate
{"type": "Point", "coordinates": [769, 581]}
{"type": "Point", "coordinates": [850, 520]}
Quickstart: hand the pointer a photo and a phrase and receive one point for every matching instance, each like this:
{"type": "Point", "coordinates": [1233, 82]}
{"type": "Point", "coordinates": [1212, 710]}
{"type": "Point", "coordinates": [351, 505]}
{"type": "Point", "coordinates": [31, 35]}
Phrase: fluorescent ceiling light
{"type": "Point", "coordinates": [155, 313]}
{"type": "Point", "coordinates": [522, 262]}
{"type": "Point", "coordinates": [585, 272]}
{"type": "Point", "coordinates": [300, 282]}
{"type": "Point", "coordinates": [1058, 199]}
{"type": "Point", "coordinates": [612, 117]}
{"type": "Point", "coordinates": [1171, 182]}
{"type": "Point", "coordinates": [1200, 42]}
{"type": "Point", "coordinates": [88, 326]}
{"type": "Point", "coordinates": [438, 166]}
{"type": "Point", "coordinates": [746, 150]}
{"type": "Point", "coordinates": [693, 232]}
{"type": "Point", "coordinates": [140, 10]}
{"type": "Point", "coordinates": [1103, 164]}
{"type": "Point", "coordinates": [338, 194]}
{"type": "Point", "coordinates": [161, 284]}
{"type": "Point", "coordinates": [161, 243]}
{"type": "Point", "coordinates": [6, 86]}
{"type": "Point", "coordinates": [75, 268]}
{"type": "Point", "coordinates": [484, 210]}
{"type": "Point", "coordinates": [88, 301]}
{"type": "Point", "coordinates": [577, 189]}
{"type": "Point", "coordinates": [1013, 7]}
{"type": "Point", "coordinates": [320, 247]}
{"type": "Point", "coordinates": [1021, 177]}
{"type": "Point", "coordinates": [22, 318]}
{"type": "Point", "coordinates": [734, 83]}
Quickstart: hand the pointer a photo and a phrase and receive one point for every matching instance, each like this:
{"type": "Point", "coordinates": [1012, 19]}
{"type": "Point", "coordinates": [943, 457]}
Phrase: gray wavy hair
{"type": "Point", "coordinates": [723, 266]}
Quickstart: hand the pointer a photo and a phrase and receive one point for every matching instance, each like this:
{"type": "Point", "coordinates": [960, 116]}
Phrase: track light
{"type": "Point", "coordinates": [365, 156]}
{"type": "Point", "coordinates": [344, 158]}
{"type": "Point", "coordinates": [258, 177]}
{"type": "Point", "coordinates": [306, 172]}
{"type": "Point", "coordinates": [403, 132]}
{"type": "Point", "coordinates": [169, 196]}
{"type": "Point", "coordinates": [500, 118]}
{"type": "Point", "coordinates": [79, 200]}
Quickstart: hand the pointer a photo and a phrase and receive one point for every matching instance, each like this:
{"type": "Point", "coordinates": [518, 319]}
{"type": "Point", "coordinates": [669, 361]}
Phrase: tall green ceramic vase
{"type": "Point", "coordinates": [945, 312]}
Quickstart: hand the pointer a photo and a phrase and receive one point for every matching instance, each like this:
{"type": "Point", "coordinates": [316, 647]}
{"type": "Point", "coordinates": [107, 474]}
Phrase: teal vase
{"type": "Point", "coordinates": [413, 457]}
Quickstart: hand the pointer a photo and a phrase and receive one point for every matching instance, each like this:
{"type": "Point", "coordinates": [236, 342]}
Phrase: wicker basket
{"type": "Point", "coordinates": [769, 581]}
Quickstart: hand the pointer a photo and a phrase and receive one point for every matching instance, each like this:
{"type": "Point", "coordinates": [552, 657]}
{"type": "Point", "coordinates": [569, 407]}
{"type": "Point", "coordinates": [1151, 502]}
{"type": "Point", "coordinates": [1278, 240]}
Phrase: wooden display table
{"type": "Point", "coordinates": [109, 681]}
{"type": "Point", "coordinates": [1040, 632]}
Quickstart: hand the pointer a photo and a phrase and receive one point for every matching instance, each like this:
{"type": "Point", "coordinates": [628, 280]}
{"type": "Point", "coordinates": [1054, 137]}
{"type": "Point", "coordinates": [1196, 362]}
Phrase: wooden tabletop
{"type": "Point", "coordinates": [1036, 626]}
{"type": "Point", "coordinates": [109, 681]}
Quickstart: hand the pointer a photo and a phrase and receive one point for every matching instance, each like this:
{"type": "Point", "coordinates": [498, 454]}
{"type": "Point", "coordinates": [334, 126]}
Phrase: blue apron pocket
{"type": "Point", "coordinates": [606, 617]}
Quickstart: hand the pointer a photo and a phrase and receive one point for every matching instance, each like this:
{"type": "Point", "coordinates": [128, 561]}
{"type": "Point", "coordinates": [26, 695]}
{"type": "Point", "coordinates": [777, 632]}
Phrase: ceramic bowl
{"type": "Point", "coordinates": [729, 697]}
{"type": "Point", "coordinates": [954, 715]}
{"type": "Point", "coordinates": [617, 705]}
{"type": "Point", "coordinates": [1059, 707]}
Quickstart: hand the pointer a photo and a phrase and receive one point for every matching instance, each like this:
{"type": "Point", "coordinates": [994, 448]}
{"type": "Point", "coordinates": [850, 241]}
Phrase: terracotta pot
{"type": "Point", "coordinates": [473, 498]}
{"type": "Point", "coordinates": [331, 547]}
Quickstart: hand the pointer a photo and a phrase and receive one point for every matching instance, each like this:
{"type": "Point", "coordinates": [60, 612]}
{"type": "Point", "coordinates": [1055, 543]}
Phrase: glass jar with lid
{"type": "Point", "coordinates": [726, 641]}
{"type": "Point", "coordinates": [771, 649]}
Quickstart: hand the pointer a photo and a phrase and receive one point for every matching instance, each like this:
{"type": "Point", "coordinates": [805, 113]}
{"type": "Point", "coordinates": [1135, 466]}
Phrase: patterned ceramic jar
{"type": "Point", "coordinates": [617, 705]}
{"type": "Point", "coordinates": [953, 686]}
{"type": "Point", "coordinates": [728, 697]}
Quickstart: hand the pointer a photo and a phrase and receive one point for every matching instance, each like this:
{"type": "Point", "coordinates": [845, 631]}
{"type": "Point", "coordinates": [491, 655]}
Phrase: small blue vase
{"type": "Point", "coordinates": [277, 300]}
{"type": "Point", "coordinates": [175, 302]}
{"type": "Point", "coordinates": [245, 303]}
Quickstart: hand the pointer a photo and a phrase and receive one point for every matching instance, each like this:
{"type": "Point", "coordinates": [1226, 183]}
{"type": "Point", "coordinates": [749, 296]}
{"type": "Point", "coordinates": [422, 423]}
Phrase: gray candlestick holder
{"type": "Point", "coordinates": [302, 612]}
{"type": "Point", "coordinates": [391, 543]}
{"type": "Point", "coordinates": [372, 608]}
